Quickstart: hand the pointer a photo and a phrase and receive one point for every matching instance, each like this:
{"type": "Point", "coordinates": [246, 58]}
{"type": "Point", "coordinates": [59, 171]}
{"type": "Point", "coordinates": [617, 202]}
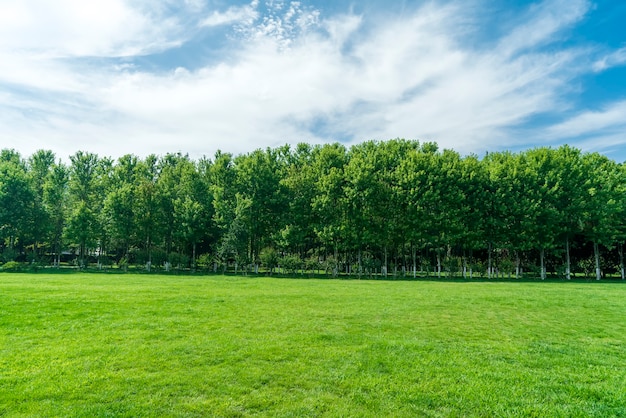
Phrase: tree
{"type": "Point", "coordinates": [570, 198]}
{"type": "Point", "coordinates": [16, 196]}
{"type": "Point", "coordinates": [374, 213]}
{"type": "Point", "coordinates": [601, 203]}
{"type": "Point", "coordinates": [429, 183]}
{"type": "Point", "coordinates": [543, 176]}
{"type": "Point", "coordinates": [120, 205]}
{"type": "Point", "coordinates": [328, 205]}
{"type": "Point", "coordinates": [55, 201]}
{"type": "Point", "coordinates": [39, 166]}
{"type": "Point", "coordinates": [299, 182]}
{"type": "Point", "coordinates": [192, 208]}
{"type": "Point", "coordinates": [258, 179]}
{"type": "Point", "coordinates": [83, 225]}
{"type": "Point", "coordinates": [147, 214]}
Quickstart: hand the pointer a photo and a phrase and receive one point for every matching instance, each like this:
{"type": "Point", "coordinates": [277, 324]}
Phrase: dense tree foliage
{"type": "Point", "coordinates": [386, 208]}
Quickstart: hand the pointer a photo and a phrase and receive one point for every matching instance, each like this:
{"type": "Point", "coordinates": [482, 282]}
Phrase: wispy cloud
{"type": "Point", "coordinates": [247, 15]}
{"type": "Point", "coordinates": [613, 59]}
{"type": "Point", "coordinates": [607, 120]}
{"type": "Point", "coordinates": [542, 23]}
{"type": "Point", "coordinates": [290, 74]}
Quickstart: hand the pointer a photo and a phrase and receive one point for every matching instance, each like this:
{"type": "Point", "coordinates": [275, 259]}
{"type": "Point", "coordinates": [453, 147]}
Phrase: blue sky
{"type": "Point", "coordinates": [137, 76]}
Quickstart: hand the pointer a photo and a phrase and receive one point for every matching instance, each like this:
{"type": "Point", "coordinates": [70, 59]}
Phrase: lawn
{"type": "Point", "coordinates": [150, 345]}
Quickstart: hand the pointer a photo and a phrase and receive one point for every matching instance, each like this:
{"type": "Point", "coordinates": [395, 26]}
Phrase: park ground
{"type": "Point", "coordinates": [87, 344]}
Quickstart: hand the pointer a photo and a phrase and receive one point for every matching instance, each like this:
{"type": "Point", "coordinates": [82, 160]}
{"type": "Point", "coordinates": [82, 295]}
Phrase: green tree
{"type": "Point", "coordinates": [120, 206]}
{"type": "Point", "coordinates": [329, 204]}
{"type": "Point", "coordinates": [39, 166]}
{"type": "Point", "coordinates": [601, 203]}
{"type": "Point", "coordinates": [16, 196]}
{"type": "Point", "coordinates": [148, 216]}
{"type": "Point", "coordinates": [192, 208]}
{"type": "Point", "coordinates": [83, 222]}
{"type": "Point", "coordinates": [299, 181]}
{"type": "Point", "coordinates": [258, 180]}
{"type": "Point", "coordinates": [55, 196]}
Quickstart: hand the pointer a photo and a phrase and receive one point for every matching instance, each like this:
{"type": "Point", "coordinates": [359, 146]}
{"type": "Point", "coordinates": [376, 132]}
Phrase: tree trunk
{"type": "Point", "coordinates": [149, 248]}
{"type": "Point", "coordinates": [542, 256]}
{"type": "Point", "coordinates": [414, 262]}
{"type": "Point", "coordinates": [336, 266]}
{"type": "Point", "coordinates": [464, 265]}
{"type": "Point", "coordinates": [568, 271]}
{"type": "Point", "coordinates": [596, 251]}
{"type": "Point", "coordinates": [385, 266]}
{"type": "Point", "coordinates": [517, 265]}
{"type": "Point", "coordinates": [438, 264]}
{"type": "Point", "coordinates": [620, 249]}
{"type": "Point", "coordinates": [489, 251]}
{"type": "Point", "coordinates": [193, 258]}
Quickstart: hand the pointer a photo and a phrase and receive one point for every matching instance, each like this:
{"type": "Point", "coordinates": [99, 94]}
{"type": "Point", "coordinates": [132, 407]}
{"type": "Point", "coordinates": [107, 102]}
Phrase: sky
{"type": "Point", "coordinates": [142, 77]}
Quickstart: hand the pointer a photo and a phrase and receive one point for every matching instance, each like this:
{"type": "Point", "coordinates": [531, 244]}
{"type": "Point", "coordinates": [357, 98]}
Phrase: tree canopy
{"type": "Point", "coordinates": [379, 207]}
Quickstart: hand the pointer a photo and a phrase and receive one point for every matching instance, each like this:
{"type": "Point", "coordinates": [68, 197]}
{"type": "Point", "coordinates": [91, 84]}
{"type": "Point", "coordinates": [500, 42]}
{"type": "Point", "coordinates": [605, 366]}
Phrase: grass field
{"type": "Point", "coordinates": [150, 345]}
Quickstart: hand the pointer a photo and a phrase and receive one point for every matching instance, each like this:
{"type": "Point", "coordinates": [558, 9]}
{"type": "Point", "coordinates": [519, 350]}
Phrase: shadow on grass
{"type": "Point", "coordinates": [69, 270]}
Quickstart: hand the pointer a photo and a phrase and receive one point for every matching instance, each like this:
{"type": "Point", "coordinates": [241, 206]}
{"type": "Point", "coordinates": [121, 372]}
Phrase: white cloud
{"type": "Point", "coordinates": [294, 76]}
{"type": "Point", "coordinates": [611, 118]}
{"type": "Point", "coordinates": [236, 14]}
{"type": "Point", "coordinates": [613, 59]}
{"type": "Point", "coordinates": [75, 28]}
{"type": "Point", "coordinates": [545, 20]}
{"type": "Point", "coordinates": [610, 144]}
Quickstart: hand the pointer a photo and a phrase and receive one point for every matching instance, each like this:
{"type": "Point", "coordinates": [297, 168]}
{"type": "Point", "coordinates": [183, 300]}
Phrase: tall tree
{"type": "Point", "coordinates": [258, 179]}
{"type": "Point", "coordinates": [55, 200]}
{"type": "Point", "coordinates": [601, 203]}
{"type": "Point", "coordinates": [192, 208]}
{"type": "Point", "coordinates": [329, 202]}
{"type": "Point", "coordinates": [83, 226]}
{"type": "Point", "coordinates": [16, 195]}
{"type": "Point", "coordinates": [147, 214]}
{"type": "Point", "coordinates": [299, 182]}
{"type": "Point", "coordinates": [120, 205]}
{"type": "Point", "coordinates": [40, 166]}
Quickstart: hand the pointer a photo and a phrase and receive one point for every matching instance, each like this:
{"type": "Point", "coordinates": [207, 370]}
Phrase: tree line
{"type": "Point", "coordinates": [397, 207]}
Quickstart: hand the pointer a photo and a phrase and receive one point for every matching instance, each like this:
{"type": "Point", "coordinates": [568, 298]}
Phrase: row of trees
{"type": "Point", "coordinates": [378, 207]}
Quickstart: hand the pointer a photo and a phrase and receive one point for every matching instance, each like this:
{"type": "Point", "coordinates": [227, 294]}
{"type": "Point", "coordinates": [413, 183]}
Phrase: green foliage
{"type": "Point", "coordinates": [374, 207]}
{"type": "Point", "coordinates": [269, 258]}
{"type": "Point", "coordinates": [206, 261]}
{"type": "Point", "coordinates": [11, 266]}
{"type": "Point", "coordinates": [291, 263]}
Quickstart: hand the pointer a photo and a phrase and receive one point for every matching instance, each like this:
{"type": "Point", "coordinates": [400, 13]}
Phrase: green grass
{"type": "Point", "coordinates": [150, 345]}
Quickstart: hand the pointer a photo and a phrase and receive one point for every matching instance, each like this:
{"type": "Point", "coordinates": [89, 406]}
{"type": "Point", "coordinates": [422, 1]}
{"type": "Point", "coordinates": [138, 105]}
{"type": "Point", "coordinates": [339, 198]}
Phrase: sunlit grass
{"type": "Point", "coordinates": [149, 345]}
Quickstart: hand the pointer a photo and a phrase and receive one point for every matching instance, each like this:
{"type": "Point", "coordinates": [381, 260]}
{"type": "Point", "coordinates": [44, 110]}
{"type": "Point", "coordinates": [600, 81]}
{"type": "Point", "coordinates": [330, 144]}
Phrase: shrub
{"type": "Point", "coordinates": [11, 266]}
{"type": "Point", "coordinates": [291, 263]}
{"type": "Point", "coordinates": [269, 258]}
{"type": "Point", "coordinates": [205, 261]}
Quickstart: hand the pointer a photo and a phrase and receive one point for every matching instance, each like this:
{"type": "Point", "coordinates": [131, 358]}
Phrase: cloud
{"type": "Point", "coordinates": [543, 22]}
{"type": "Point", "coordinates": [602, 130]}
{"type": "Point", "coordinates": [74, 28]}
{"type": "Point", "coordinates": [236, 14]}
{"type": "Point", "coordinates": [613, 59]}
{"type": "Point", "coordinates": [290, 74]}
{"type": "Point", "coordinates": [610, 119]}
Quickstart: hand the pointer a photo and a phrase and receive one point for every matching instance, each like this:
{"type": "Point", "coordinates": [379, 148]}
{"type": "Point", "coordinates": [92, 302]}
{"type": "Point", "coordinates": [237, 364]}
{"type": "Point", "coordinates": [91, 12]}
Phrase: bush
{"type": "Point", "coordinates": [11, 266]}
{"type": "Point", "coordinates": [269, 258]}
{"type": "Point", "coordinates": [291, 263]}
{"type": "Point", "coordinates": [312, 264]}
{"type": "Point", "coordinates": [205, 261]}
